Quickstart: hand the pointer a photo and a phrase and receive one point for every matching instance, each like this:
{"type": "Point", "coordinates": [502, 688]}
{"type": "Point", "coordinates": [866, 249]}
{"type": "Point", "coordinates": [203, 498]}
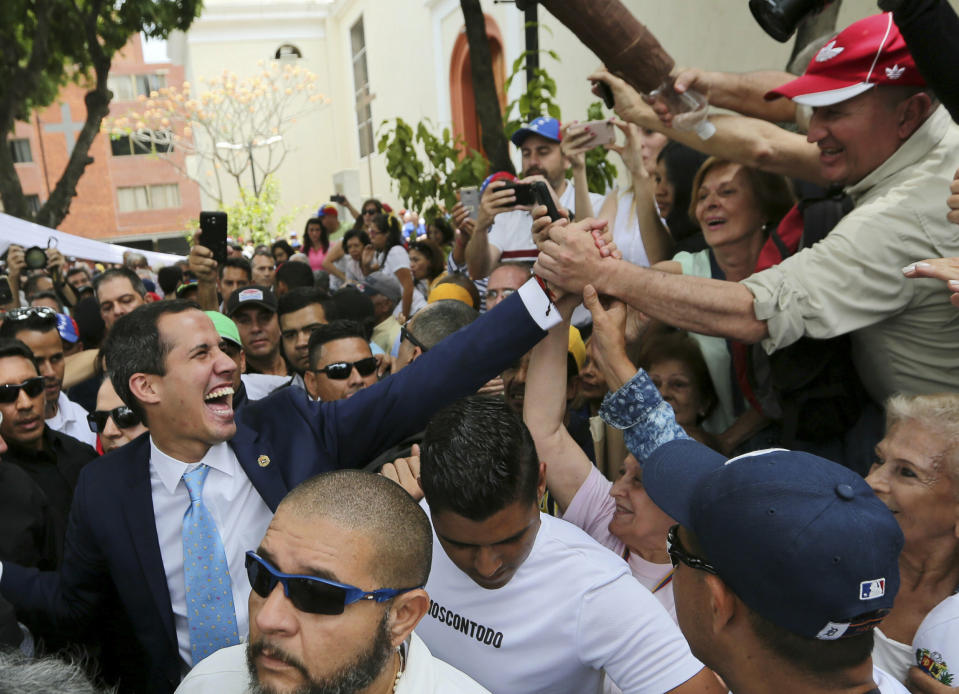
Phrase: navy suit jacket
{"type": "Point", "coordinates": [112, 547]}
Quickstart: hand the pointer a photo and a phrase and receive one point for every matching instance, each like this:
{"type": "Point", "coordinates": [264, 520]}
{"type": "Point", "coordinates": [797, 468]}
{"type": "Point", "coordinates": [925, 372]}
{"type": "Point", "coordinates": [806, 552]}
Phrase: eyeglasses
{"type": "Point", "coordinates": [31, 311]}
{"type": "Point", "coordinates": [10, 392]}
{"type": "Point", "coordinates": [371, 210]}
{"type": "Point", "coordinates": [340, 370]}
{"type": "Point", "coordinates": [310, 593]}
{"type": "Point", "coordinates": [407, 335]}
{"type": "Point", "coordinates": [677, 553]}
{"type": "Point", "coordinates": [500, 293]}
{"type": "Point", "coordinates": [122, 416]}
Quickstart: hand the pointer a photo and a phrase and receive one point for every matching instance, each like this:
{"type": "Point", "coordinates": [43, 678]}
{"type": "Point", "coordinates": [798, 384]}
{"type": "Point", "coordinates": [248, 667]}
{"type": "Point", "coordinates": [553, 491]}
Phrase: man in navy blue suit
{"type": "Point", "coordinates": [133, 509]}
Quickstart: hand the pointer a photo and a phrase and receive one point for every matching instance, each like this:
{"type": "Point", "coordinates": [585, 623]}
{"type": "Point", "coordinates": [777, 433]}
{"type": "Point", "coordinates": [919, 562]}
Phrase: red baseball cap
{"type": "Point", "coordinates": [864, 54]}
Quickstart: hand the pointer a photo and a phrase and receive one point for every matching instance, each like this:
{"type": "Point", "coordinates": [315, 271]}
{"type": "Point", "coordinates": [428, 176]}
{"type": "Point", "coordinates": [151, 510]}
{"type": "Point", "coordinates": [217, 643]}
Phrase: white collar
{"type": "Point", "coordinates": [219, 457]}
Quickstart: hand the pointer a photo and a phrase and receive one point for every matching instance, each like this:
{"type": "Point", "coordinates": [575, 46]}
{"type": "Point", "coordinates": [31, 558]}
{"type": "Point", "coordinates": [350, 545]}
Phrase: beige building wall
{"type": "Point", "coordinates": [409, 45]}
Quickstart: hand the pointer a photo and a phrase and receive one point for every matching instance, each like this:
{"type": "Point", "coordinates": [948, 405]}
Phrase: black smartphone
{"type": "Point", "coordinates": [544, 197]}
{"type": "Point", "coordinates": [213, 234]}
{"type": "Point", "coordinates": [336, 197]}
{"type": "Point", "coordinates": [523, 192]}
{"type": "Point", "coordinates": [605, 93]}
{"type": "Point", "coordinates": [6, 294]}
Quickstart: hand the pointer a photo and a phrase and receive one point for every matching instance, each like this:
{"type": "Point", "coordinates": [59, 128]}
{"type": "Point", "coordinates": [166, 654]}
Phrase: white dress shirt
{"type": "Point", "coordinates": [71, 419]}
{"type": "Point", "coordinates": [241, 518]}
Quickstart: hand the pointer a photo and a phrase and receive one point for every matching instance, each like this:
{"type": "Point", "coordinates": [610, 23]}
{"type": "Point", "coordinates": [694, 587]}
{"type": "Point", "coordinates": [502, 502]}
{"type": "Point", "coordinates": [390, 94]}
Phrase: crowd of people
{"type": "Point", "coordinates": [695, 436]}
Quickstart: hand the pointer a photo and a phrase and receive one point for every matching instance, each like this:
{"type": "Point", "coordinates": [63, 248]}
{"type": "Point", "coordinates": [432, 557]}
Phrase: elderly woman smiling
{"type": "Point", "coordinates": [916, 475]}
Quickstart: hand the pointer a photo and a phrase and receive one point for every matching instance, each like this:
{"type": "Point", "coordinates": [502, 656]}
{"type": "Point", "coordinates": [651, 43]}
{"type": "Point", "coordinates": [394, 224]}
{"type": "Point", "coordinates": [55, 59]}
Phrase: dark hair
{"type": "Point", "coordinates": [681, 164]}
{"type": "Point", "coordinates": [772, 191]}
{"type": "Point", "coordinates": [30, 286]}
{"type": "Point", "coordinates": [446, 229]}
{"type": "Point", "coordinates": [47, 294]}
{"type": "Point", "coordinates": [478, 458]}
{"type": "Point", "coordinates": [133, 346]}
{"type": "Point", "coordinates": [241, 263]}
{"type": "Point", "coordinates": [380, 510]}
{"type": "Point", "coordinates": [822, 659]}
{"type": "Point", "coordinates": [281, 243]}
{"type": "Point", "coordinates": [356, 234]}
{"type": "Point", "coordinates": [11, 347]}
{"type": "Point", "coordinates": [169, 278]}
{"type": "Point", "coordinates": [464, 282]}
{"type": "Point", "coordinates": [126, 273]}
{"type": "Point", "coordinates": [41, 324]}
{"type": "Point", "coordinates": [352, 304]}
{"type": "Point", "coordinates": [334, 330]}
{"type": "Point", "coordinates": [388, 224]}
{"type": "Point", "coordinates": [263, 250]}
{"type": "Point", "coordinates": [435, 322]}
{"type": "Point", "coordinates": [359, 222]}
{"type": "Point", "coordinates": [301, 297]}
{"type": "Point", "coordinates": [660, 346]}
{"type": "Point", "coordinates": [76, 270]}
{"type": "Point", "coordinates": [434, 256]}
{"type": "Point", "coordinates": [294, 275]}
{"type": "Point", "coordinates": [324, 236]}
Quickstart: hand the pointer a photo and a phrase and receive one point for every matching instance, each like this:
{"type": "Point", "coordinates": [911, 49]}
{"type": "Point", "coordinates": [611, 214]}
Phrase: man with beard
{"type": "Point", "coordinates": [509, 237]}
{"type": "Point", "coordinates": [313, 635]}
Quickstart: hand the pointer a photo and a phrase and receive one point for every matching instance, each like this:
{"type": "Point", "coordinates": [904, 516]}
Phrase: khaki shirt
{"type": "Point", "coordinates": [905, 332]}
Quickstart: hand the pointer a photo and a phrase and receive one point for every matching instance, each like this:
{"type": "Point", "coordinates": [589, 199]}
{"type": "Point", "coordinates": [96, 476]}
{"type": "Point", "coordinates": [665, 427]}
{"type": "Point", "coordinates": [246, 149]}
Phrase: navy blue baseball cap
{"type": "Point", "coordinates": [803, 541]}
{"type": "Point", "coordinates": [544, 126]}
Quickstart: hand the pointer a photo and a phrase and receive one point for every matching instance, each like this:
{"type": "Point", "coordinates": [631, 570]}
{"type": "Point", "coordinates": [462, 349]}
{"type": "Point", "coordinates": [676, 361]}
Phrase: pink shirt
{"type": "Point", "coordinates": [592, 509]}
{"type": "Point", "coordinates": [316, 256]}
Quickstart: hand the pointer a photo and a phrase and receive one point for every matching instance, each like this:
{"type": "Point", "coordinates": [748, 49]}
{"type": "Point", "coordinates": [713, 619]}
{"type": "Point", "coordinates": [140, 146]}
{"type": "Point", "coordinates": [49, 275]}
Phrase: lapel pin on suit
{"type": "Point", "coordinates": [263, 460]}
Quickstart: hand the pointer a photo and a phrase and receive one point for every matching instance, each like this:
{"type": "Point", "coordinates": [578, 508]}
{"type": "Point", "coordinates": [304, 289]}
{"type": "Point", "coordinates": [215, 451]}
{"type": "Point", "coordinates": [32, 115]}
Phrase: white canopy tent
{"type": "Point", "coordinates": [23, 233]}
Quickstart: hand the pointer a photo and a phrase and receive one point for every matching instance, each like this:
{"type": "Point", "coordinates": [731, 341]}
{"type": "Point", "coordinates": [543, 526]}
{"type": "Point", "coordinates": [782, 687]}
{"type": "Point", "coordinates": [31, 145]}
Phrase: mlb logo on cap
{"type": "Point", "coordinates": [870, 590]}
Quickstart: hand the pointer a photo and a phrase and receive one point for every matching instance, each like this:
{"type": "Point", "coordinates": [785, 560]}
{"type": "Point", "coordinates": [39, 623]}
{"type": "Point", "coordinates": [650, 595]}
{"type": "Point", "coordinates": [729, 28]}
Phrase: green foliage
{"type": "Point", "coordinates": [427, 169]}
{"type": "Point", "coordinates": [539, 100]}
{"type": "Point", "coordinates": [251, 217]}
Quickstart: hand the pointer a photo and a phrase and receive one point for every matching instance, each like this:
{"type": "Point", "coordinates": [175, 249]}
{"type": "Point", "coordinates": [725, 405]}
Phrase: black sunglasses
{"type": "Point", "coordinates": [10, 392]}
{"type": "Point", "coordinates": [340, 370]}
{"type": "Point", "coordinates": [31, 311]}
{"type": "Point", "coordinates": [407, 335]}
{"type": "Point", "coordinates": [371, 210]}
{"type": "Point", "coordinates": [122, 416]}
{"type": "Point", "coordinates": [677, 553]}
{"type": "Point", "coordinates": [311, 594]}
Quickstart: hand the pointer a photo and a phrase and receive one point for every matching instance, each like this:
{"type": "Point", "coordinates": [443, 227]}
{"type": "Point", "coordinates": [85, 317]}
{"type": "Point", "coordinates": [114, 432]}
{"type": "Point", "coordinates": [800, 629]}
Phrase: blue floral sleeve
{"type": "Point", "coordinates": [639, 410]}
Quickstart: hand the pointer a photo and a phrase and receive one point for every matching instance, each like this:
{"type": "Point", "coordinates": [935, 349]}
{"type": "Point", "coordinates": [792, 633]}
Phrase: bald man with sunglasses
{"type": "Point", "coordinates": [337, 589]}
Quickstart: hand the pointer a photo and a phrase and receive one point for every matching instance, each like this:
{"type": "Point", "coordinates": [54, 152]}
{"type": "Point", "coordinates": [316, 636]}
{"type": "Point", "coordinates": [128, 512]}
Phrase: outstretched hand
{"type": "Point", "coordinates": [608, 343]}
{"type": "Point", "coordinates": [946, 269]}
{"type": "Point", "coordinates": [406, 473]}
{"type": "Point", "coordinates": [575, 254]}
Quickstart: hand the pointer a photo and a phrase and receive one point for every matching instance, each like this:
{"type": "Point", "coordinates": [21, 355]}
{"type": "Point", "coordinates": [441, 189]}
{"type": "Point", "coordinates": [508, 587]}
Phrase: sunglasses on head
{"type": "Point", "coordinates": [677, 553]}
{"type": "Point", "coordinates": [339, 370]}
{"type": "Point", "coordinates": [122, 416]}
{"type": "Point", "coordinates": [310, 593]}
{"type": "Point", "coordinates": [31, 311]}
{"type": "Point", "coordinates": [32, 387]}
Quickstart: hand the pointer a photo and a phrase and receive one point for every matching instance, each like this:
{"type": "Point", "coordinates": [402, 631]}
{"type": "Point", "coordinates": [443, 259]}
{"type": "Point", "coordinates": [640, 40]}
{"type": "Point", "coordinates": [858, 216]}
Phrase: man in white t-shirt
{"type": "Point", "coordinates": [521, 601]}
{"type": "Point", "coordinates": [352, 552]}
{"type": "Point", "coordinates": [503, 233]}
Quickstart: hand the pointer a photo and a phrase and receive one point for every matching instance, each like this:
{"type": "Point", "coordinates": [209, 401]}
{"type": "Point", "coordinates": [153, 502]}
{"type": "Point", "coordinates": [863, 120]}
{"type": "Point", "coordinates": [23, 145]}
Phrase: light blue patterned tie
{"type": "Point", "coordinates": [209, 596]}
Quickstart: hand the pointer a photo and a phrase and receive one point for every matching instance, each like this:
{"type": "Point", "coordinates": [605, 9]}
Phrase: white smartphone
{"type": "Point", "coordinates": [604, 132]}
{"type": "Point", "coordinates": [470, 197]}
